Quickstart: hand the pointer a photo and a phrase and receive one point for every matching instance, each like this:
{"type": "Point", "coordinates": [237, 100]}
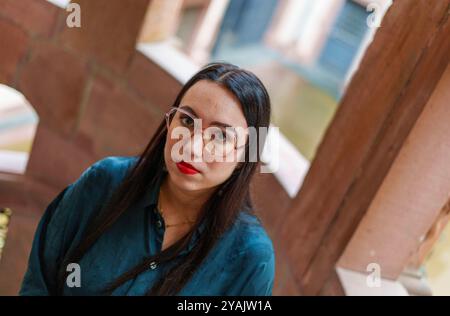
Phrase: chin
{"type": "Point", "coordinates": [184, 181]}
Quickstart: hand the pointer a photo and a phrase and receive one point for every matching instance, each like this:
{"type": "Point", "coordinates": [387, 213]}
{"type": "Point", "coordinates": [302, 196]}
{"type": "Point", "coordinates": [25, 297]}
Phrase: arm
{"type": "Point", "coordinates": [34, 282]}
{"type": "Point", "coordinates": [55, 234]}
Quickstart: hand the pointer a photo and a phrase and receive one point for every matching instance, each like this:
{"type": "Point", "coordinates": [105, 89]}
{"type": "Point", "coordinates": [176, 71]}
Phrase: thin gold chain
{"type": "Point", "coordinates": [171, 225]}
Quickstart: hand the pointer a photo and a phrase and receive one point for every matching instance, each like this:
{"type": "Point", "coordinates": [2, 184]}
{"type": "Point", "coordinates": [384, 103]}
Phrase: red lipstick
{"type": "Point", "coordinates": [186, 168]}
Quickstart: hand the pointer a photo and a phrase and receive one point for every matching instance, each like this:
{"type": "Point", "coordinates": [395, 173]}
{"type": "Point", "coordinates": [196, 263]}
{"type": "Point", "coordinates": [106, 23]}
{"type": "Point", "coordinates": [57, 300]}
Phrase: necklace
{"type": "Point", "coordinates": [160, 210]}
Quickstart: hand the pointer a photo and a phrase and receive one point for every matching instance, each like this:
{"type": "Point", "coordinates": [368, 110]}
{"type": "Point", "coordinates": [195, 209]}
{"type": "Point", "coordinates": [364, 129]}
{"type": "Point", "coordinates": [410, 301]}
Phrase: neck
{"type": "Point", "coordinates": [181, 204]}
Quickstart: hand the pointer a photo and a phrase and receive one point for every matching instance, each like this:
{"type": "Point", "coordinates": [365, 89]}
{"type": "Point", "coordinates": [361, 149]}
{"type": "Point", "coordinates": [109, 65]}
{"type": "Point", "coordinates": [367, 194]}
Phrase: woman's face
{"type": "Point", "coordinates": [217, 108]}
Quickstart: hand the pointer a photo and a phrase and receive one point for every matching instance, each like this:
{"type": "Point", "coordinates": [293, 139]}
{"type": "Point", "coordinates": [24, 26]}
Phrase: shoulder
{"type": "Point", "coordinates": [113, 165]}
{"type": "Point", "coordinates": [108, 171]}
{"type": "Point", "coordinates": [71, 209]}
{"type": "Point", "coordinates": [98, 180]}
{"type": "Point", "coordinates": [82, 198]}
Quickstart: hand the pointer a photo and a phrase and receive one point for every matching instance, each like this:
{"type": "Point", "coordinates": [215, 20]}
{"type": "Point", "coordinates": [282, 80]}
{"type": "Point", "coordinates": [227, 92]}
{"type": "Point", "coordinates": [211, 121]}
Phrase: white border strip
{"type": "Point", "coordinates": [170, 59]}
{"type": "Point", "coordinates": [60, 3]}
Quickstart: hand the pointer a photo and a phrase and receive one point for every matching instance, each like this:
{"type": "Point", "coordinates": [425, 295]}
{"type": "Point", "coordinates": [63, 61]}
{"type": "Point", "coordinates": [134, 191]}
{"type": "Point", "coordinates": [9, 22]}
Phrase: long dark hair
{"type": "Point", "coordinates": [219, 211]}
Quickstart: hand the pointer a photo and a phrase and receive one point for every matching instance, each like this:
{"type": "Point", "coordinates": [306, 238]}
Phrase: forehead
{"type": "Point", "coordinates": [212, 102]}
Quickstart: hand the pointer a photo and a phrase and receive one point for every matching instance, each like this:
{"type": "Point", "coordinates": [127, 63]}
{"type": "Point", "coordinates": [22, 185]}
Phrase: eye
{"type": "Point", "coordinates": [219, 136]}
{"type": "Point", "coordinates": [186, 120]}
{"type": "Point", "coordinates": [223, 138]}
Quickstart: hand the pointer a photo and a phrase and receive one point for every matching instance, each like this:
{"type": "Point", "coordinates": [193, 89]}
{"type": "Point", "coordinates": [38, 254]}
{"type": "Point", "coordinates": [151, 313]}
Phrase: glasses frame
{"type": "Point", "coordinates": [176, 109]}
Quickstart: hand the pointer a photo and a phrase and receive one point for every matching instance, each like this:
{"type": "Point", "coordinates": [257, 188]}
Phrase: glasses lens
{"type": "Point", "coordinates": [185, 120]}
{"type": "Point", "coordinates": [219, 142]}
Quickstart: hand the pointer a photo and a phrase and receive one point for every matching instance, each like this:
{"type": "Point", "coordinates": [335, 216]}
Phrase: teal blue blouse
{"type": "Point", "coordinates": [241, 263]}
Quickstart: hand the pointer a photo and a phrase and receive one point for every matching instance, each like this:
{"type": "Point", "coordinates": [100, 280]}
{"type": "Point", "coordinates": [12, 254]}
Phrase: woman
{"type": "Point", "coordinates": [166, 222]}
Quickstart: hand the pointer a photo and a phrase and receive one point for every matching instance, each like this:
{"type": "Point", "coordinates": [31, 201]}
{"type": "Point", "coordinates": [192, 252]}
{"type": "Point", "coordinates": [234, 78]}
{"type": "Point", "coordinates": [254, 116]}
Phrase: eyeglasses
{"type": "Point", "coordinates": [218, 141]}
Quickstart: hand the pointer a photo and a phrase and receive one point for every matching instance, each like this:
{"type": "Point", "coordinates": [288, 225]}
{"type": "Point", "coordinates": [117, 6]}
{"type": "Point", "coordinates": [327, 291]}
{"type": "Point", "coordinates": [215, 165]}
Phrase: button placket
{"type": "Point", "coordinates": [158, 221]}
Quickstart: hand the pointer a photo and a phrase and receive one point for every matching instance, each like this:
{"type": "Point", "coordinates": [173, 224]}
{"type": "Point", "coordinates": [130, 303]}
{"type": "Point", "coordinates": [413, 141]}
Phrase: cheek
{"type": "Point", "coordinates": [167, 149]}
{"type": "Point", "coordinates": [219, 172]}
{"type": "Point", "coordinates": [169, 146]}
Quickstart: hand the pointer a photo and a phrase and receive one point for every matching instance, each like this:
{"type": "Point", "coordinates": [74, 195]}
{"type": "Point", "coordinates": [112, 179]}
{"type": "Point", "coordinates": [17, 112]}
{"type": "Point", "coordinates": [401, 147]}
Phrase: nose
{"type": "Point", "coordinates": [197, 146]}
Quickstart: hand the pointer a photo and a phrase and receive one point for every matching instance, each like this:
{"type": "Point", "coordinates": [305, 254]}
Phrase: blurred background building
{"type": "Point", "coordinates": [72, 96]}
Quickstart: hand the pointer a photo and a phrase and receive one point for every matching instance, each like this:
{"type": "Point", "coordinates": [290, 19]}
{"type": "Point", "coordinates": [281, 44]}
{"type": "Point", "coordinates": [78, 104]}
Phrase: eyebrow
{"type": "Point", "coordinates": [191, 110]}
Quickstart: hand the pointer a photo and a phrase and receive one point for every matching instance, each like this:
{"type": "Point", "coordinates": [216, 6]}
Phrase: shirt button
{"type": "Point", "coordinates": [153, 265]}
{"type": "Point", "coordinates": [158, 223]}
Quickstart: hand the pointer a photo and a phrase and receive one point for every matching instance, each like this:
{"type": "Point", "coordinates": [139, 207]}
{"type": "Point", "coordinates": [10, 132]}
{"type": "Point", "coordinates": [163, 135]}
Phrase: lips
{"type": "Point", "coordinates": [186, 168]}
